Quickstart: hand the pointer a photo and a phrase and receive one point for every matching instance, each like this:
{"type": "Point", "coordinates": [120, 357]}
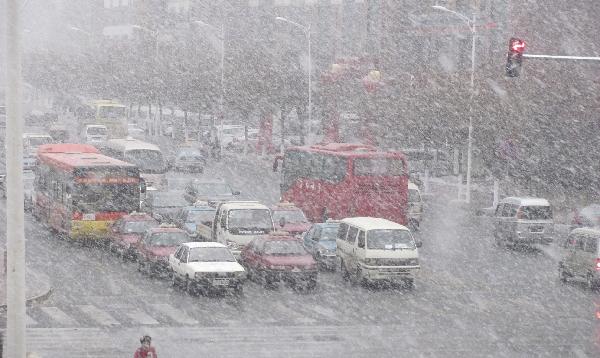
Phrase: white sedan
{"type": "Point", "coordinates": [207, 266]}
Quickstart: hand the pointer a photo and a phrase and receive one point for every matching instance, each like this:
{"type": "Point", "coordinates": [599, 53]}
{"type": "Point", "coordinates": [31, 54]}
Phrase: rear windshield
{"type": "Point", "coordinates": [536, 212]}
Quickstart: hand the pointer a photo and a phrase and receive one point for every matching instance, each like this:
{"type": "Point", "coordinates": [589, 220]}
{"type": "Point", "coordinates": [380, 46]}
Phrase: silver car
{"type": "Point", "coordinates": [523, 221]}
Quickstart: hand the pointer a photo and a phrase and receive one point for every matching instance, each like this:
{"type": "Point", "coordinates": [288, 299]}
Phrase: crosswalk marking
{"type": "Point", "coordinates": [99, 315]}
{"type": "Point", "coordinates": [59, 316]}
{"type": "Point", "coordinates": [173, 313]}
{"type": "Point", "coordinates": [141, 317]}
{"type": "Point", "coordinates": [290, 312]}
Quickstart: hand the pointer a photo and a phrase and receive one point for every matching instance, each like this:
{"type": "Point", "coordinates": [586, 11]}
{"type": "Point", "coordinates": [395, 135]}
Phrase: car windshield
{"type": "Point", "coordinates": [139, 227]}
{"type": "Point", "coordinates": [329, 233]}
{"type": "Point", "coordinates": [112, 112]}
{"type": "Point", "coordinates": [37, 141]}
{"type": "Point", "coordinates": [97, 131]}
{"type": "Point", "coordinates": [173, 238]}
{"type": "Point", "coordinates": [212, 189]}
{"type": "Point", "coordinates": [250, 219]}
{"type": "Point", "coordinates": [211, 254]}
{"type": "Point", "coordinates": [391, 239]}
{"type": "Point", "coordinates": [168, 200]}
{"type": "Point", "coordinates": [283, 248]}
{"type": "Point", "coordinates": [290, 216]}
{"type": "Point", "coordinates": [200, 216]}
{"type": "Point", "coordinates": [536, 212]}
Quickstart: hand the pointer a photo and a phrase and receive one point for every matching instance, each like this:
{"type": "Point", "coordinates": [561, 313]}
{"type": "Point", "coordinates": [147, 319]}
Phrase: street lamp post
{"type": "Point", "coordinates": [221, 32]}
{"type": "Point", "coordinates": [473, 28]}
{"type": "Point", "coordinates": [156, 52]}
{"type": "Point", "coordinates": [306, 30]}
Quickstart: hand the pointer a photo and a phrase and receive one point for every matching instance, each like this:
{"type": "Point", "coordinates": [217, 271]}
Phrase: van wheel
{"type": "Point", "coordinates": [345, 273]}
{"type": "Point", "coordinates": [562, 275]}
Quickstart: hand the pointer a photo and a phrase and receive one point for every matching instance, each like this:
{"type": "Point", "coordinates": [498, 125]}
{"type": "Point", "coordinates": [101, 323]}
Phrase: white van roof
{"type": "Point", "coordinates": [244, 205]}
{"type": "Point", "coordinates": [526, 201]}
{"type": "Point", "coordinates": [368, 223]}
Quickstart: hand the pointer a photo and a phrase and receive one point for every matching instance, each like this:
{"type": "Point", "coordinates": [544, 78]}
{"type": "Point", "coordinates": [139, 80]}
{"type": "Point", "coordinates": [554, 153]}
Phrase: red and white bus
{"type": "Point", "coordinates": [339, 180]}
{"type": "Point", "coordinates": [79, 192]}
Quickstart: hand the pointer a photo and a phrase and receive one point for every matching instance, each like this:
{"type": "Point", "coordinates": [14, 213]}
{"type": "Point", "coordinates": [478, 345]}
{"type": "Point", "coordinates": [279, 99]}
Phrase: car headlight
{"type": "Point", "coordinates": [370, 262]}
{"type": "Point", "coordinates": [413, 262]}
{"type": "Point", "coordinates": [199, 275]}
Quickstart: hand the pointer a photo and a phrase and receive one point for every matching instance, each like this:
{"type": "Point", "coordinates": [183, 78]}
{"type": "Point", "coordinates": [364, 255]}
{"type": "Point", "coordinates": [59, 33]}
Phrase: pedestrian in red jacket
{"type": "Point", "coordinates": [146, 350]}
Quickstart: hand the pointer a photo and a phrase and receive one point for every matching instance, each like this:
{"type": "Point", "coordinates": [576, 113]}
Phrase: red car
{"type": "Point", "coordinates": [125, 233]}
{"type": "Point", "coordinates": [290, 218]}
{"type": "Point", "coordinates": [155, 247]}
{"type": "Point", "coordinates": [280, 257]}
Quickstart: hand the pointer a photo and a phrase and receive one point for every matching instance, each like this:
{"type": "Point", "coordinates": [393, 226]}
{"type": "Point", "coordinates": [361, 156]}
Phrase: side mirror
{"type": "Point", "coordinates": [236, 192]}
{"type": "Point", "coordinates": [142, 186]}
{"type": "Point", "coordinates": [282, 222]}
{"type": "Point", "coordinates": [419, 243]}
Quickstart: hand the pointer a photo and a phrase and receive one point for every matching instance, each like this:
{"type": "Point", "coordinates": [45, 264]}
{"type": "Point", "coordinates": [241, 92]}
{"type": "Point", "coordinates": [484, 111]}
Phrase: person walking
{"type": "Point", "coordinates": [146, 350]}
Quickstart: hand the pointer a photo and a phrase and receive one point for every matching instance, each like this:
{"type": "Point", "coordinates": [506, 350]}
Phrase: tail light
{"type": "Point", "coordinates": [597, 265]}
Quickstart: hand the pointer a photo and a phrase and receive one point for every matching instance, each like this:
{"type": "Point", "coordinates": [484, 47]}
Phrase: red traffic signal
{"type": "Point", "coordinates": [516, 47]}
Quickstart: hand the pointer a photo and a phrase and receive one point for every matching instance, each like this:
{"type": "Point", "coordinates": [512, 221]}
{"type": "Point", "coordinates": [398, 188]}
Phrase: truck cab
{"type": "Point", "coordinates": [236, 223]}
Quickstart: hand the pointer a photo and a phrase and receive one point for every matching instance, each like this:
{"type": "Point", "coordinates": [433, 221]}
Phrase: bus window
{"type": "Point", "coordinates": [334, 168]}
{"type": "Point", "coordinates": [378, 166]}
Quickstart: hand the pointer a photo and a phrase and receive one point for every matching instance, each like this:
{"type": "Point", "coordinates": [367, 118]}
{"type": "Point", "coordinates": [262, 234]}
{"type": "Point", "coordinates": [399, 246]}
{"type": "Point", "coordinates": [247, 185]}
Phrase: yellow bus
{"type": "Point", "coordinates": [112, 114]}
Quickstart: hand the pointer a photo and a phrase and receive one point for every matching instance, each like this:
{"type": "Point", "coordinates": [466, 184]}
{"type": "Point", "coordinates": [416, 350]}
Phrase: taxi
{"type": "Point", "coordinates": [290, 218]}
{"type": "Point", "coordinates": [125, 233]}
{"type": "Point", "coordinates": [154, 248]}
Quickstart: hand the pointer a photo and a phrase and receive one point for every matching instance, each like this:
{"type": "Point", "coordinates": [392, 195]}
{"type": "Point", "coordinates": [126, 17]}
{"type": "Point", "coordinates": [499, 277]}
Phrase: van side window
{"type": "Point", "coordinates": [506, 211]}
{"type": "Point", "coordinates": [591, 244]}
{"type": "Point", "coordinates": [513, 211]}
{"type": "Point", "coordinates": [361, 239]}
{"type": "Point", "coordinates": [343, 230]}
{"type": "Point", "coordinates": [579, 243]}
{"type": "Point", "coordinates": [352, 231]}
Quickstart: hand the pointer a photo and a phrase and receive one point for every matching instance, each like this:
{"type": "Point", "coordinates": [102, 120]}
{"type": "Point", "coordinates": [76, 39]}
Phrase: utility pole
{"type": "Point", "coordinates": [15, 235]}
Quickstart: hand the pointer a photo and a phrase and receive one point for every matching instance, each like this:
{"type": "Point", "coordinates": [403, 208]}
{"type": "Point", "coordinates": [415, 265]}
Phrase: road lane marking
{"type": "Point", "coordinates": [59, 316]}
{"type": "Point", "coordinates": [173, 313]}
{"type": "Point", "coordinates": [141, 317]}
{"type": "Point", "coordinates": [98, 315]}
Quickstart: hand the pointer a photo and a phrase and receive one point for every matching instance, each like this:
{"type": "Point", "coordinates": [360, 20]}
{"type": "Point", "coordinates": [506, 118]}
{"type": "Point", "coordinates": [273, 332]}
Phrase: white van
{"type": "Point", "coordinates": [94, 133]}
{"type": "Point", "coordinates": [237, 223]}
{"type": "Point", "coordinates": [31, 142]}
{"type": "Point", "coordinates": [375, 249]}
{"type": "Point", "coordinates": [146, 156]}
{"type": "Point", "coordinates": [415, 206]}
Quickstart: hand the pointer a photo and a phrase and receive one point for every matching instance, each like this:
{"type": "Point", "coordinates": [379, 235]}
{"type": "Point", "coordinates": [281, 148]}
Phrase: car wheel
{"type": "Point", "coordinates": [562, 275]}
{"type": "Point", "coordinates": [174, 280]}
{"type": "Point", "coordinates": [409, 283]}
{"type": "Point", "coordinates": [591, 283]}
{"type": "Point", "coordinates": [140, 267]}
{"type": "Point", "coordinates": [239, 290]}
{"type": "Point", "coordinates": [345, 273]}
{"type": "Point", "coordinates": [188, 285]}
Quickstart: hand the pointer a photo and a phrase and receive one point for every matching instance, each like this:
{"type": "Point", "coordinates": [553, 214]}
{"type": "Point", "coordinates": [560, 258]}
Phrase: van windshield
{"type": "Point", "coordinates": [250, 219]}
{"type": "Point", "coordinates": [147, 160]}
{"type": "Point", "coordinates": [536, 212]}
{"type": "Point", "coordinates": [390, 239]}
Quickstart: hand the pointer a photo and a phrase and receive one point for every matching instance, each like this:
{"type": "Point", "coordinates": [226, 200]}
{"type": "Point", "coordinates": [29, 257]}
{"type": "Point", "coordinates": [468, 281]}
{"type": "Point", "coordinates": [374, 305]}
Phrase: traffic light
{"type": "Point", "coordinates": [516, 47]}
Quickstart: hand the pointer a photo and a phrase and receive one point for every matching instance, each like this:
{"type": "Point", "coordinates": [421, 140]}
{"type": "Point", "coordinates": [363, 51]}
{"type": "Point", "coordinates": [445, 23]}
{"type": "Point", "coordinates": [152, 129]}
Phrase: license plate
{"type": "Point", "coordinates": [89, 217]}
{"type": "Point", "coordinates": [221, 282]}
{"type": "Point", "coordinates": [536, 229]}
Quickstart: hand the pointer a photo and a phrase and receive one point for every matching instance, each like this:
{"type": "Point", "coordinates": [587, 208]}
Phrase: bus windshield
{"type": "Point", "coordinates": [378, 167]}
{"type": "Point", "coordinates": [106, 197]}
{"type": "Point", "coordinates": [111, 112]}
